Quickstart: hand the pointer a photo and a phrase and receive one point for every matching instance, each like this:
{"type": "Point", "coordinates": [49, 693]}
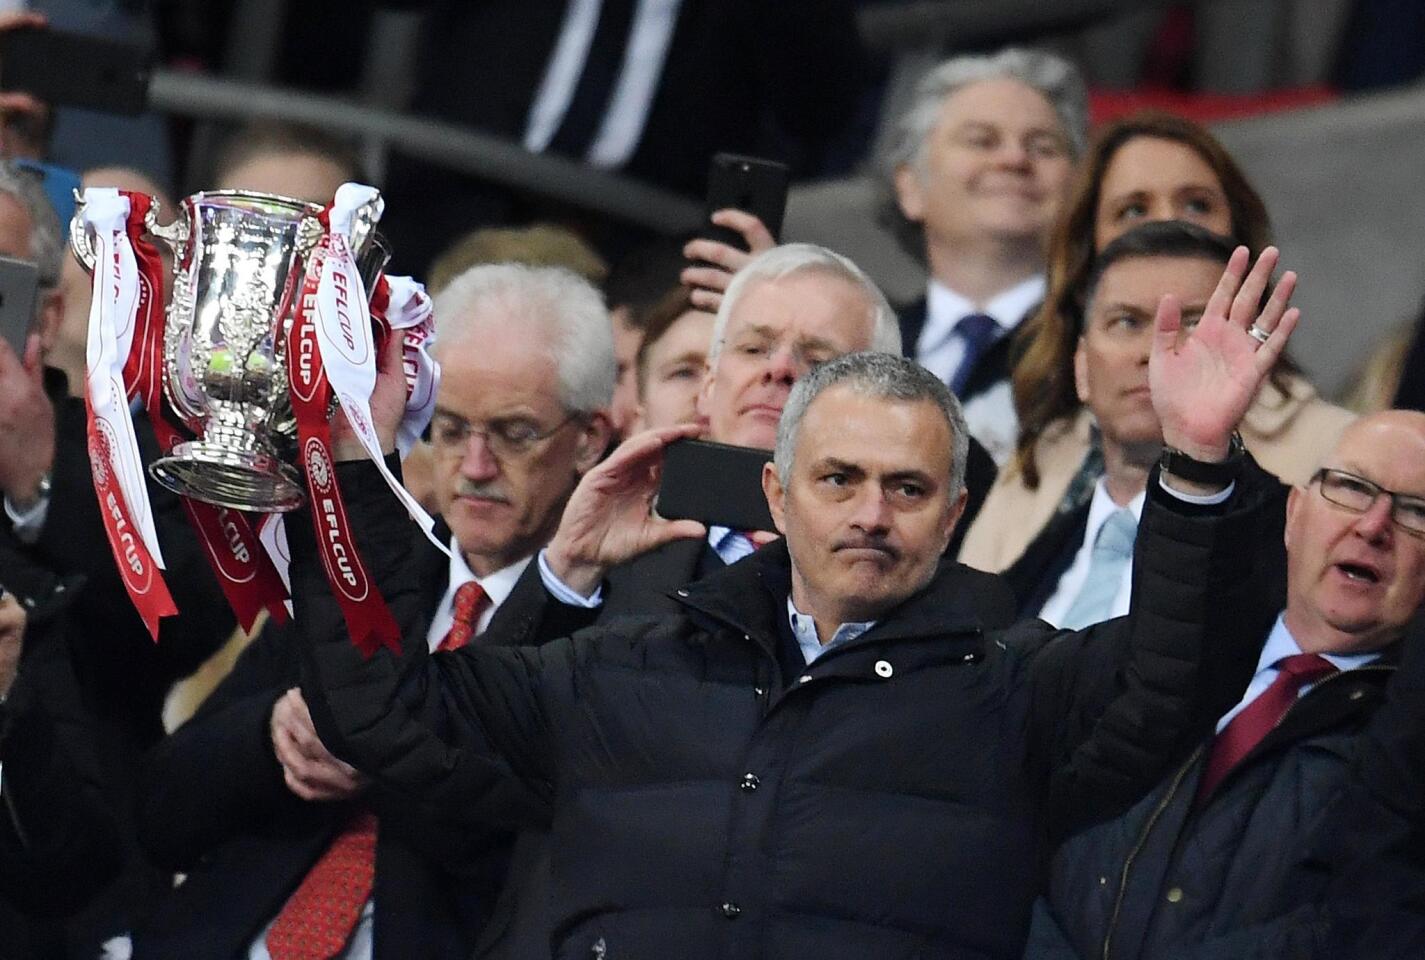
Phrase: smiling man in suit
{"type": "Point", "coordinates": [976, 171]}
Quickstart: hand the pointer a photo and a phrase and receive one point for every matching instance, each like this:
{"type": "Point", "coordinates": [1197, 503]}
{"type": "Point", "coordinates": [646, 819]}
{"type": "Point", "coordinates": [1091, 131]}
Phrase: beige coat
{"type": "Point", "coordinates": [1288, 432]}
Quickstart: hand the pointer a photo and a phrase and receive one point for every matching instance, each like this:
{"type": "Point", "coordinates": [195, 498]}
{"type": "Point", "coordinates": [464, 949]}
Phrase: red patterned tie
{"type": "Point", "coordinates": [1260, 717]}
{"type": "Point", "coordinates": [320, 915]}
{"type": "Point", "coordinates": [470, 601]}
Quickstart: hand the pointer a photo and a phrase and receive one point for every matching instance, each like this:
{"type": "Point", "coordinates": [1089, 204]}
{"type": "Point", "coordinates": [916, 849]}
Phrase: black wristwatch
{"type": "Point", "coordinates": [1179, 464]}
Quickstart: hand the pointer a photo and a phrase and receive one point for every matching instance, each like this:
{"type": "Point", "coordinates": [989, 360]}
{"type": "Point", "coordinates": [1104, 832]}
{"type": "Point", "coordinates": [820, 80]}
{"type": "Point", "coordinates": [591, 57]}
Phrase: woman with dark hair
{"type": "Point", "coordinates": [1149, 167]}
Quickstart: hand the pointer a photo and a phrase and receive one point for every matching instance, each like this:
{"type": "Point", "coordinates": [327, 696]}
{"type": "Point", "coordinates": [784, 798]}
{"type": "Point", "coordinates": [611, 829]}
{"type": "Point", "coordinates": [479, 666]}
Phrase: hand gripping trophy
{"type": "Point", "coordinates": [278, 312]}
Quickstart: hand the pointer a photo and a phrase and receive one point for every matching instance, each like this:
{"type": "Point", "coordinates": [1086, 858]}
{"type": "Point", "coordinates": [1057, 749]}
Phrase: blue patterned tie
{"type": "Point", "coordinates": [978, 330]}
{"type": "Point", "coordinates": [1111, 553]}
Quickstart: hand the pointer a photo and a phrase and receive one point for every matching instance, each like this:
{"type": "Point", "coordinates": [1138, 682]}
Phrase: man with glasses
{"type": "Point", "coordinates": [521, 414]}
{"type": "Point", "coordinates": [1222, 858]}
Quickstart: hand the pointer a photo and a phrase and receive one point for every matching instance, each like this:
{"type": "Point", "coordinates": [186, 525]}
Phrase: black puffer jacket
{"type": "Point", "coordinates": [1234, 878]}
{"type": "Point", "coordinates": [895, 799]}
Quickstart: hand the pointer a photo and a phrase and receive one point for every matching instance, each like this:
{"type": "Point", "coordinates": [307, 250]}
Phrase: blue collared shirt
{"type": "Point", "coordinates": [1280, 644]}
{"type": "Point", "coordinates": [804, 629]}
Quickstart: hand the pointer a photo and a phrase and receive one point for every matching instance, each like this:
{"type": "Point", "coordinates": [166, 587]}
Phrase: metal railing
{"type": "Point", "coordinates": [468, 151]}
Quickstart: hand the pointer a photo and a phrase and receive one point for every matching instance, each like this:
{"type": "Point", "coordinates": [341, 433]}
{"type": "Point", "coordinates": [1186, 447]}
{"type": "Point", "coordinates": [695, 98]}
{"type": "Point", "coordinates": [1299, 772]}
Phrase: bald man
{"type": "Point", "coordinates": [1218, 860]}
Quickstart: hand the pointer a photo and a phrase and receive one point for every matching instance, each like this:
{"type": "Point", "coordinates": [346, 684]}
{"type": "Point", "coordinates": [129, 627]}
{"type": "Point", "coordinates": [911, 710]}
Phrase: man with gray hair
{"type": "Point", "coordinates": [789, 309]}
{"type": "Point", "coordinates": [522, 412]}
{"type": "Point", "coordinates": [826, 752]}
{"type": "Point", "coordinates": [974, 174]}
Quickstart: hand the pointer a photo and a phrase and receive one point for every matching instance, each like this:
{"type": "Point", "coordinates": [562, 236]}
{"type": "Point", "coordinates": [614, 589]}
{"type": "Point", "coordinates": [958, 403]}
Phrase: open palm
{"type": "Point", "coordinates": [609, 520]}
{"type": "Point", "coordinates": [1204, 380]}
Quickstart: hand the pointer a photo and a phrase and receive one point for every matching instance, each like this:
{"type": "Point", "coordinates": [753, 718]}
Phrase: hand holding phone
{"type": "Point", "coordinates": [715, 484]}
{"type": "Point", "coordinates": [607, 520]}
{"type": "Point", "coordinates": [746, 202]}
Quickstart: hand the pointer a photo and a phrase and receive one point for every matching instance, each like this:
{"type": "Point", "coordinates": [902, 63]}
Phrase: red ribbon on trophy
{"type": "Point", "coordinates": [332, 344]}
{"type": "Point", "coordinates": [331, 270]}
{"type": "Point", "coordinates": [129, 303]}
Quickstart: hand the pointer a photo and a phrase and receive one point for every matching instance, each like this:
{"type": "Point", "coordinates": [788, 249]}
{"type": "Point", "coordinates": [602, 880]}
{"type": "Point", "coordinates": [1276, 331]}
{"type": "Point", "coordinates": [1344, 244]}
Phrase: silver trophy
{"type": "Point", "coordinates": [240, 262]}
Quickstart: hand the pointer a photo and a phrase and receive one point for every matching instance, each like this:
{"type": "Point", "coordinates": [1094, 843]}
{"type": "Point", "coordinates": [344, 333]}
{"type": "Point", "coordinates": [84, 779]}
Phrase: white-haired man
{"type": "Point", "coordinates": [976, 172]}
{"type": "Point", "coordinates": [789, 309]}
{"type": "Point", "coordinates": [521, 414]}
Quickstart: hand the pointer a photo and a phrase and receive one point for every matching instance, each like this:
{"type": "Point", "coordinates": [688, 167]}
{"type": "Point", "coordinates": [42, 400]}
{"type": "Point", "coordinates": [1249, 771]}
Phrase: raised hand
{"type": "Point", "coordinates": [709, 283]}
{"type": "Point", "coordinates": [609, 517]}
{"type": "Point", "coordinates": [388, 405]}
{"type": "Point", "coordinates": [311, 772]}
{"type": "Point", "coordinates": [1204, 380]}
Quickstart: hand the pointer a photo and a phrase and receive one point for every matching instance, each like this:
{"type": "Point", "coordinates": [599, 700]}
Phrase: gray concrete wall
{"type": "Point", "coordinates": [1345, 185]}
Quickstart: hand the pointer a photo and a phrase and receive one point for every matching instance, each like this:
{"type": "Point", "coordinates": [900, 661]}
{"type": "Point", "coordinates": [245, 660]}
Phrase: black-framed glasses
{"type": "Point", "coordinates": [1357, 494]}
{"type": "Point", "coordinates": [508, 439]}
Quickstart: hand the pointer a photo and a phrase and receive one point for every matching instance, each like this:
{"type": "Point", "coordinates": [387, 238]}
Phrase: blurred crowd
{"type": "Point", "coordinates": [1084, 626]}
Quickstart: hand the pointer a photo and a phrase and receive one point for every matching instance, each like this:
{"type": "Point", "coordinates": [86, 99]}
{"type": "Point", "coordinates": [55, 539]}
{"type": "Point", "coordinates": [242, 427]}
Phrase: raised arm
{"type": "Point", "coordinates": [1127, 696]}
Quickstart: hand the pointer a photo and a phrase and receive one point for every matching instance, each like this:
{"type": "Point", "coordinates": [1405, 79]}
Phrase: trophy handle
{"type": "Point", "coordinates": [174, 236]}
{"type": "Point", "coordinates": [80, 243]}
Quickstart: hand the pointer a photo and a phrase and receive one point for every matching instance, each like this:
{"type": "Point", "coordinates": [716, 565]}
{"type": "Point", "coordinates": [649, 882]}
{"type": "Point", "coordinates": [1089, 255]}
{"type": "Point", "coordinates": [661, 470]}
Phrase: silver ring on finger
{"type": "Point", "coordinates": [1258, 334]}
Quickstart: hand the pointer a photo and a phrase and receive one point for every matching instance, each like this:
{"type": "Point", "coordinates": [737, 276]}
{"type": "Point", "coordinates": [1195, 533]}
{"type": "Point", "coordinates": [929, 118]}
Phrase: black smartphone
{"type": "Point", "coordinates": [76, 69]}
{"type": "Point", "coordinates": [751, 184]}
{"type": "Point", "coordinates": [714, 483]}
{"type": "Point", "coordinates": [19, 285]}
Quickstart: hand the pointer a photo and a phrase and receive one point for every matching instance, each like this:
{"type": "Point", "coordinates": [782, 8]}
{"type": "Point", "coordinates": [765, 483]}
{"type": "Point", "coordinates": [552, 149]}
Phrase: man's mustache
{"type": "Point", "coordinates": [866, 542]}
{"type": "Point", "coordinates": [481, 491]}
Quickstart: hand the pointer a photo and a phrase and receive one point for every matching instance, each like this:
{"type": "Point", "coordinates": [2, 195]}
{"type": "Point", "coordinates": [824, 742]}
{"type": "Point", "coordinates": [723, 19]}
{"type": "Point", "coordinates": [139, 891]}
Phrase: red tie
{"type": "Point", "coordinates": [1260, 717]}
{"type": "Point", "coordinates": [320, 915]}
{"type": "Point", "coordinates": [470, 601]}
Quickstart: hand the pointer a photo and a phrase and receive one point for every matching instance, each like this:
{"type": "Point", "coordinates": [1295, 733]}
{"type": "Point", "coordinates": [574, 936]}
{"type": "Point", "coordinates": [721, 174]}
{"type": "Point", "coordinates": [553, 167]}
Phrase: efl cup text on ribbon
{"type": "Point", "coordinates": [337, 548]}
{"type": "Point", "coordinates": [308, 377]}
{"type": "Point", "coordinates": [343, 312]}
{"type": "Point", "coordinates": [126, 538]}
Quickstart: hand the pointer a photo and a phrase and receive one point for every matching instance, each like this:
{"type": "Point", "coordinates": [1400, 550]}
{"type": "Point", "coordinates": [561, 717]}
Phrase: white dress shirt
{"type": "Point", "coordinates": [990, 414]}
{"type": "Point", "coordinates": [1280, 643]}
{"type": "Point", "coordinates": [1073, 579]}
{"type": "Point", "coordinates": [730, 545]}
{"type": "Point", "coordinates": [632, 97]}
{"type": "Point", "coordinates": [497, 587]}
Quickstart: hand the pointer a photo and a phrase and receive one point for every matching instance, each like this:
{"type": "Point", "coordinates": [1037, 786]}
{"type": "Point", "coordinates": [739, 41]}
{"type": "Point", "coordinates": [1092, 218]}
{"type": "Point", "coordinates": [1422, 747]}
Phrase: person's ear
{"type": "Point", "coordinates": [1293, 504]}
{"type": "Point", "coordinates": [776, 496]}
{"type": "Point", "coordinates": [48, 318]}
{"type": "Point", "coordinates": [594, 437]}
{"type": "Point", "coordinates": [1081, 371]}
{"type": "Point", "coordinates": [910, 193]}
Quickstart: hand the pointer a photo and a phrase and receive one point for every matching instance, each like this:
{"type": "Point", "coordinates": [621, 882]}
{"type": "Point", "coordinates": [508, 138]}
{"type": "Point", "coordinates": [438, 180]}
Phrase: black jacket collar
{"type": "Point", "coordinates": [748, 595]}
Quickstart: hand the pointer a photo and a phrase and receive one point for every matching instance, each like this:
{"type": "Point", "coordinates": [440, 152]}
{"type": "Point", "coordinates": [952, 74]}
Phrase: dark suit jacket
{"type": "Point", "coordinates": [758, 78]}
{"type": "Point", "coordinates": [123, 676]}
{"type": "Point", "coordinates": [214, 805]}
{"type": "Point", "coordinates": [59, 843]}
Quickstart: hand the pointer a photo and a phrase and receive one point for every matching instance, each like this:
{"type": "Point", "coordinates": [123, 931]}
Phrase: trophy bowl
{"type": "Point", "coordinates": [240, 262]}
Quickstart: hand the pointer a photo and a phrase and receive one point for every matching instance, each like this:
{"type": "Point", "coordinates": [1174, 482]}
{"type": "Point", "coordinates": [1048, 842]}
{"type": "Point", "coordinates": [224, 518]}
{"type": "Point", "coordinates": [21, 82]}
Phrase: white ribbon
{"type": "Point", "coordinates": [346, 344]}
{"type": "Point", "coordinates": [112, 313]}
{"type": "Point", "coordinates": [409, 310]}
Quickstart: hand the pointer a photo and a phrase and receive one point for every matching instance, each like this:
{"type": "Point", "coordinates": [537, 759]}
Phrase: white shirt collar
{"type": "Point", "coordinates": [497, 587]}
{"type": "Point", "coordinates": [945, 308]}
{"type": "Point", "coordinates": [1102, 507]}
